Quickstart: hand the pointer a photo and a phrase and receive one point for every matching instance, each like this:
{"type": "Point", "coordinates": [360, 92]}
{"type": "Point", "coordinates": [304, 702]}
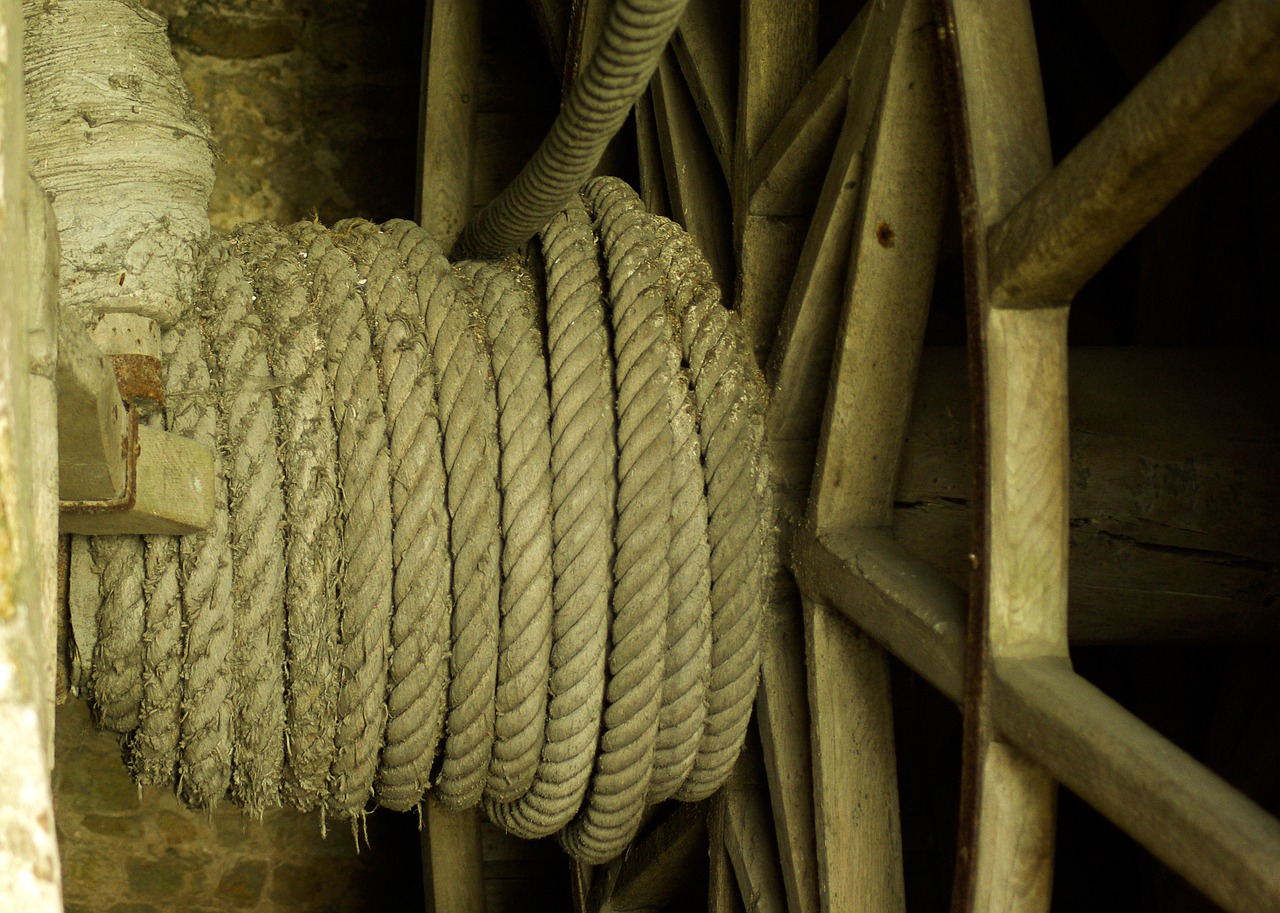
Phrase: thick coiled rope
{"type": "Point", "coordinates": [510, 552]}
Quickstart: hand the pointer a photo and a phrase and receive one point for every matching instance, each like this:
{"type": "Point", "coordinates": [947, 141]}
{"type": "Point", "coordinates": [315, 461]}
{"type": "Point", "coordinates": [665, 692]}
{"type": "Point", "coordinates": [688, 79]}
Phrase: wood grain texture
{"type": "Point", "coordinates": [93, 427]}
{"type": "Point", "coordinates": [1168, 465]}
{"type": "Point", "coordinates": [173, 493]}
{"type": "Point", "coordinates": [698, 195]}
{"type": "Point", "coordinates": [748, 834]}
{"type": "Point", "coordinates": [452, 863]}
{"type": "Point", "coordinates": [447, 122]}
{"type": "Point", "coordinates": [661, 865]}
{"type": "Point", "coordinates": [887, 293]}
{"type": "Point", "coordinates": [782, 715]}
{"type": "Point", "coordinates": [901, 601]}
{"type": "Point", "coordinates": [1018, 368]}
{"type": "Point", "coordinates": [777, 42]}
{"type": "Point", "coordinates": [1220, 841]}
{"type": "Point", "coordinates": [706, 47]}
{"type": "Point", "coordinates": [786, 172]}
{"type": "Point", "coordinates": [854, 771]}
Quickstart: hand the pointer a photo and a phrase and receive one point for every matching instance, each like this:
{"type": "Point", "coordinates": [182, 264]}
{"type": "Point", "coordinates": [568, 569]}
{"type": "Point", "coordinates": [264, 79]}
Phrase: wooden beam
{"type": "Point", "coordinates": [904, 603]}
{"type": "Point", "coordinates": [447, 121]}
{"type": "Point", "coordinates": [452, 864]}
{"type": "Point", "coordinates": [1216, 82]}
{"type": "Point", "coordinates": [782, 714]}
{"type": "Point", "coordinates": [854, 770]}
{"type": "Point", "coordinates": [748, 835]}
{"type": "Point", "coordinates": [698, 195]}
{"type": "Point", "coordinates": [706, 47]}
{"type": "Point", "coordinates": [659, 867]}
{"type": "Point", "coordinates": [722, 888]}
{"type": "Point", "coordinates": [1168, 463]}
{"type": "Point", "coordinates": [173, 492]}
{"type": "Point", "coordinates": [895, 237]}
{"type": "Point", "coordinates": [786, 172]}
{"type": "Point", "coordinates": [777, 41]}
{"type": "Point", "coordinates": [93, 424]}
{"type": "Point", "coordinates": [1190, 819]}
{"type": "Point", "coordinates": [1018, 595]}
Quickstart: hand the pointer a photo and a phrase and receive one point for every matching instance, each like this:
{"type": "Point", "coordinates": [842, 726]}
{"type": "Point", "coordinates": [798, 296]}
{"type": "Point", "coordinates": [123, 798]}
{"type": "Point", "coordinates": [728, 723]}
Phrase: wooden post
{"type": "Point", "coordinates": [29, 868]}
{"type": "Point", "coordinates": [452, 865]}
{"type": "Point", "coordinates": [447, 122]}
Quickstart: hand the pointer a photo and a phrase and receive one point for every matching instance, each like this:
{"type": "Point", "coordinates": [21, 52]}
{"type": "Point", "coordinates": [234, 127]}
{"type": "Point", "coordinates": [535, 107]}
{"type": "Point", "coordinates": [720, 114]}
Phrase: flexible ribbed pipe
{"type": "Point", "coordinates": [634, 36]}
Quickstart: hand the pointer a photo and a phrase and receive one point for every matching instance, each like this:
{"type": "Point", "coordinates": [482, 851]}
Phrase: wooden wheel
{"type": "Point", "coordinates": [819, 193]}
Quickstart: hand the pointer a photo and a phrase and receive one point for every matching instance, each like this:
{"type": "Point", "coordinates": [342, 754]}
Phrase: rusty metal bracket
{"type": "Point", "coordinates": [129, 498]}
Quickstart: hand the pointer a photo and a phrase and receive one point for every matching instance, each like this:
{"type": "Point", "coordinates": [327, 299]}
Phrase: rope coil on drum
{"type": "Point", "coordinates": [504, 543]}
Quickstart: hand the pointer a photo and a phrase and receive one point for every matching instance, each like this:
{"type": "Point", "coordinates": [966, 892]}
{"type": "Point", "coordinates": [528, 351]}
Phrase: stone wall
{"type": "Point", "coordinates": [126, 850]}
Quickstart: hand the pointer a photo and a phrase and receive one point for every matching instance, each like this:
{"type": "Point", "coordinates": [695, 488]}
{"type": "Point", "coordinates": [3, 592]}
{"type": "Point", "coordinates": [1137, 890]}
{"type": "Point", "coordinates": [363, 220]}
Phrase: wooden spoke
{"type": "Point", "coordinates": [782, 714]}
{"type": "Point", "coordinates": [748, 834]}
{"type": "Point", "coordinates": [777, 52]}
{"type": "Point", "coordinates": [1220, 841]}
{"type": "Point", "coordinates": [788, 168]}
{"type": "Point", "coordinates": [695, 185]}
{"type": "Point", "coordinates": [452, 866]}
{"type": "Point", "coordinates": [662, 864]}
{"type": "Point", "coordinates": [1218, 80]}
{"type": "Point", "coordinates": [707, 50]}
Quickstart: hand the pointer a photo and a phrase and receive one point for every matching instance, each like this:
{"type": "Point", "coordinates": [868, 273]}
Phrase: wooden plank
{"type": "Point", "coordinates": [43, 258]}
{"type": "Point", "coordinates": [854, 772]}
{"type": "Point", "coordinates": [653, 183]}
{"type": "Point", "coordinates": [447, 122]}
{"type": "Point", "coordinates": [785, 174]}
{"type": "Point", "coordinates": [782, 714]}
{"type": "Point", "coordinates": [93, 428]}
{"type": "Point", "coordinates": [1168, 463]}
{"type": "Point", "coordinates": [890, 284]}
{"type": "Point", "coordinates": [695, 186]}
{"type": "Point", "coordinates": [1018, 597]}
{"type": "Point", "coordinates": [722, 888]}
{"type": "Point", "coordinates": [173, 494]}
{"type": "Point", "coordinates": [452, 864]}
{"type": "Point", "coordinates": [706, 47]}
{"type": "Point", "coordinates": [661, 865]}
{"type": "Point", "coordinates": [1221, 842]}
{"type": "Point", "coordinates": [1219, 78]}
{"type": "Point", "coordinates": [748, 835]}
{"type": "Point", "coordinates": [904, 603]}
{"type": "Point", "coordinates": [777, 41]}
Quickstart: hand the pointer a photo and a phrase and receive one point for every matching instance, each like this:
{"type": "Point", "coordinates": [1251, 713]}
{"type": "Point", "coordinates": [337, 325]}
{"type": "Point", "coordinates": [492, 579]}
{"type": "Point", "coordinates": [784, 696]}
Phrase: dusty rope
{"type": "Point", "coordinates": [257, 515]}
{"type": "Point", "coordinates": [731, 400]}
{"type": "Point", "coordinates": [204, 574]}
{"type": "Point", "coordinates": [581, 540]}
{"type": "Point", "coordinates": [420, 626]}
{"type": "Point", "coordinates": [308, 456]}
{"type": "Point", "coordinates": [117, 676]}
{"type": "Point", "coordinates": [646, 366]}
{"type": "Point", "coordinates": [364, 486]}
{"type": "Point", "coordinates": [468, 414]}
{"type": "Point", "coordinates": [155, 746]}
{"type": "Point", "coordinates": [583, 488]}
{"type": "Point", "coordinates": [506, 302]}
